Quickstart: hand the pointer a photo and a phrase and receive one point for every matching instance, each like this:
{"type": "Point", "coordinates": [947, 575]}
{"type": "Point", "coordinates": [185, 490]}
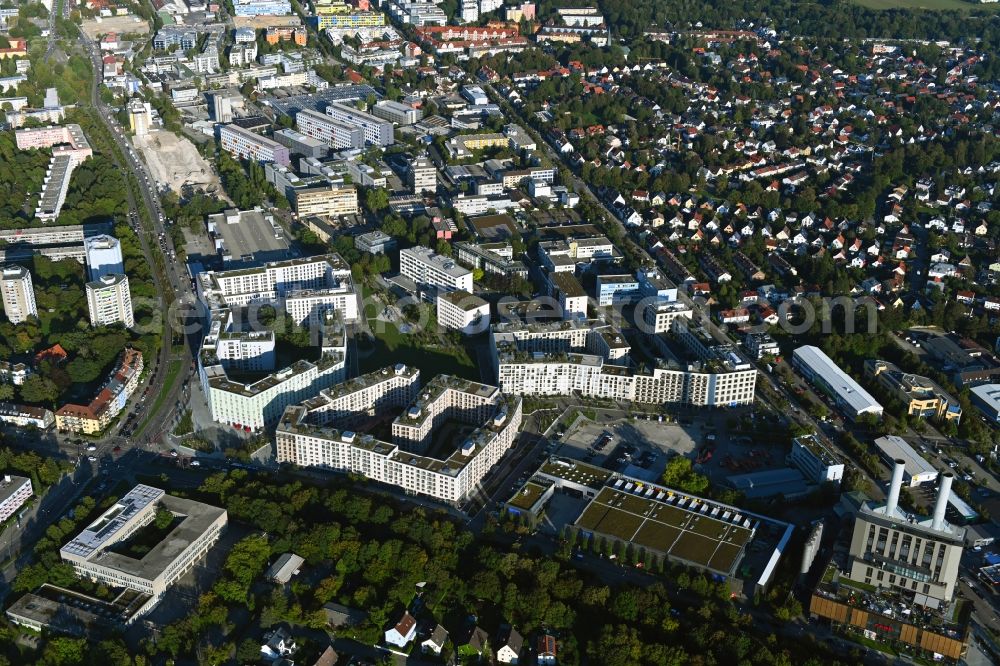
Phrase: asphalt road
{"type": "Point", "coordinates": [152, 426]}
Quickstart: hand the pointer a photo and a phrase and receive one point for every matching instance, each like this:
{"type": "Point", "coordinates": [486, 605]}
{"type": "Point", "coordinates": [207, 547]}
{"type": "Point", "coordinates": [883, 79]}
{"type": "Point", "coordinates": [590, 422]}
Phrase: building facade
{"type": "Point", "coordinates": [427, 268]}
{"type": "Point", "coordinates": [18, 293]}
{"type": "Point", "coordinates": [109, 301]}
{"type": "Point", "coordinates": [250, 146]}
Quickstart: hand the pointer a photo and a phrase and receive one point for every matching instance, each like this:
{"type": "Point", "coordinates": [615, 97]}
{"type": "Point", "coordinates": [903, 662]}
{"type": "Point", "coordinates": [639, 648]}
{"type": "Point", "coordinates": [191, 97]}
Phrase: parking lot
{"type": "Point", "coordinates": [641, 448]}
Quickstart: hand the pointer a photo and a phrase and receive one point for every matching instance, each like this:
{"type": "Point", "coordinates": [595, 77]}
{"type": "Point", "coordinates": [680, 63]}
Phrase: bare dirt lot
{"type": "Point", "coordinates": [123, 25]}
{"type": "Point", "coordinates": [175, 161]}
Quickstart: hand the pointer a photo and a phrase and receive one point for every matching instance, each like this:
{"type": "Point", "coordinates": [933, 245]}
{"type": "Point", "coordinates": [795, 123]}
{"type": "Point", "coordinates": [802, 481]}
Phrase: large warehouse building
{"type": "Point", "coordinates": [820, 370]}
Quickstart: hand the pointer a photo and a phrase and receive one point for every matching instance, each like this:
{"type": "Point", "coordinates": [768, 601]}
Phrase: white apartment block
{"type": "Point", "coordinates": [462, 311]}
{"type": "Point", "coordinates": [378, 132]}
{"type": "Point", "coordinates": [246, 351]}
{"type": "Point", "coordinates": [306, 288]}
{"type": "Point", "coordinates": [659, 316]}
{"type": "Point", "coordinates": [254, 147]}
{"type": "Point", "coordinates": [426, 267]}
{"type": "Point", "coordinates": [14, 492]}
{"type": "Point", "coordinates": [90, 551]}
{"type": "Point", "coordinates": [109, 301]}
{"type": "Point", "coordinates": [339, 135]}
{"type": "Point", "coordinates": [350, 404]}
{"type": "Point", "coordinates": [18, 293]}
{"type": "Point", "coordinates": [452, 477]}
{"type": "Point", "coordinates": [25, 415]}
{"type": "Point", "coordinates": [256, 404]}
{"type": "Point", "coordinates": [549, 359]}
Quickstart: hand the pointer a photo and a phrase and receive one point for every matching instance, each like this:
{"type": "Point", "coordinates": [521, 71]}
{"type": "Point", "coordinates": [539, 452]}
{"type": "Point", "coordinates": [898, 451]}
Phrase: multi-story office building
{"type": "Point", "coordinates": [815, 460]}
{"type": "Point", "coordinates": [378, 132]}
{"type": "Point", "coordinates": [375, 242]}
{"type": "Point", "coordinates": [820, 370]}
{"type": "Point", "coordinates": [250, 146]}
{"type": "Point", "coordinates": [14, 492]}
{"type": "Point", "coordinates": [274, 282]}
{"type": "Point", "coordinates": [463, 312]}
{"type": "Point", "coordinates": [301, 144]}
{"type": "Point", "coordinates": [395, 112]}
{"type": "Point", "coordinates": [92, 555]}
{"type": "Point", "coordinates": [109, 301]}
{"type": "Point", "coordinates": [25, 415]}
{"type": "Point", "coordinates": [922, 396]}
{"type": "Point", "coordinates": [408, 463]}
{"type": "Point", "coordinates": [693, 371]}
{"type": "Point", "coordinates": [94, 417]}
{"type": "Point", "coordinates": [616, 288]}
{"type": "Point", "coordinates": [18, 293]}
{"type": "Point", "coordinates": [429, 269]}
{"type": "Point", "coordinates": [325, 200]}
{"type": "Point", "coordinates": [104, 256]}
{"type": "Point", "coordinates": [893, 549]}
{"type": "Point", "coordinates": [339, 135]}
{"type": "Point", "coordinates": [422, 175]}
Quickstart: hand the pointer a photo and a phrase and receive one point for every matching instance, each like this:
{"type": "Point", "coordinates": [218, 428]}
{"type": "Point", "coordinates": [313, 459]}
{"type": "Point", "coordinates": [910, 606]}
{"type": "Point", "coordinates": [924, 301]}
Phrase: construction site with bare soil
{"type": "Point", "coordinates": [176, 162]}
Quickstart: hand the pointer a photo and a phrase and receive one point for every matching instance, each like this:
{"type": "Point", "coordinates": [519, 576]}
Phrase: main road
{"type": "Point", "coordinates": [178, 290]}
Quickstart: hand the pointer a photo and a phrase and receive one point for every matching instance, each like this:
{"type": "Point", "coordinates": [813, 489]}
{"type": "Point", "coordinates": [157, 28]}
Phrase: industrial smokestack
{"type": "Point", "coordinates": [944, 492]}
{"type": "Point", "coordinates": [894, 486]}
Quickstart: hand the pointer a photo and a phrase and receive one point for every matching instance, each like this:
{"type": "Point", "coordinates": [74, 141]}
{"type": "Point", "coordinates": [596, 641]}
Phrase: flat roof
{"type": "Point", "coordinates": [683, 526]}
{"type": "Point", "coordinates": [92, 543]}
{"type": "Point", "coordinates": [784, 481]}
{"type": "Point", "coordinates": [989, 394]}
{"type": "Point", "coordinates": [839, 381]}
{"type": "Point", "coordinates": [894, 447]}
{"type": "Point", "coordinates": [251, 236]}
{"type": "Point", "coordinates": [8, 488]}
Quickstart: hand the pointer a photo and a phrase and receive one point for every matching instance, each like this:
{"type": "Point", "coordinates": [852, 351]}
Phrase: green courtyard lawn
{"type": "Point", "coordinates": [391, 347]}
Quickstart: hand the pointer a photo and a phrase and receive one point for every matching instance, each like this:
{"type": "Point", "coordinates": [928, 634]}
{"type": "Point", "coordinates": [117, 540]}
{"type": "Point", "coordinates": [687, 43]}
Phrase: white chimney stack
{"type": "Point", "coordinates": [894, 486]}
{"type": "Point", "coordinates": [941, 505]}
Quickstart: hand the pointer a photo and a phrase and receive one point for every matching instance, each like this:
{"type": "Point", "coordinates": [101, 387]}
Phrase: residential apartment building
{"type": "Point", "coordinates": [325, 200]}
{"type": "Point", "coordinates": [462, 311]}
{"type": "Point", "coordinates": [18, 293]}
{"type": "Point", "coordinates": [23, 416]}
{"type": "Point", "coordinates": [450, 478]}
{"type": "Point", "coordinates": [378, 132]}
{"type": "Point", "coordinates": [922, 396]}
{"type": "Point", "coordinates": [14, 492]}
{"type": "Point", "coordinates": [257, 404]}
{"type": "Point", "coordinates": [262, 7]}
{"type": "Point", "coordinates": [109, 301]}
{"type": "Point", "coordinates": [250, 146]}
{"type": "Point", "coordinates": [339, 135]}
{"type": "Point", "coordinates": [427, 268]}
{"type": "Point", "coordinates": [557, 364]}
{"type": "Point", "coordinates": [95, 416]}
{"type": "Point", "coordinates": [356, 401]}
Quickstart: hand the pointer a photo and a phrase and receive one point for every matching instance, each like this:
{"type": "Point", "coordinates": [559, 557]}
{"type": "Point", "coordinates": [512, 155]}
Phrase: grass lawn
{"type": "Point", "coordinates": [937, 5]}
{"type": "Point", "coordinates": [392, 347]}
{"type": "Point", "coordinates": [173, 370]}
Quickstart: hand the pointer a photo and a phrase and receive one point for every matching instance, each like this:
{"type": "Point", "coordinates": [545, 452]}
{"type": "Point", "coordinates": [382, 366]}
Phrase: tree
{"type": "Point", "coordinates": [680, 474]}
{"type": "Point", "coordinates": [377, 199]}
{"type": "Point", "coordinates": [39, 390]}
